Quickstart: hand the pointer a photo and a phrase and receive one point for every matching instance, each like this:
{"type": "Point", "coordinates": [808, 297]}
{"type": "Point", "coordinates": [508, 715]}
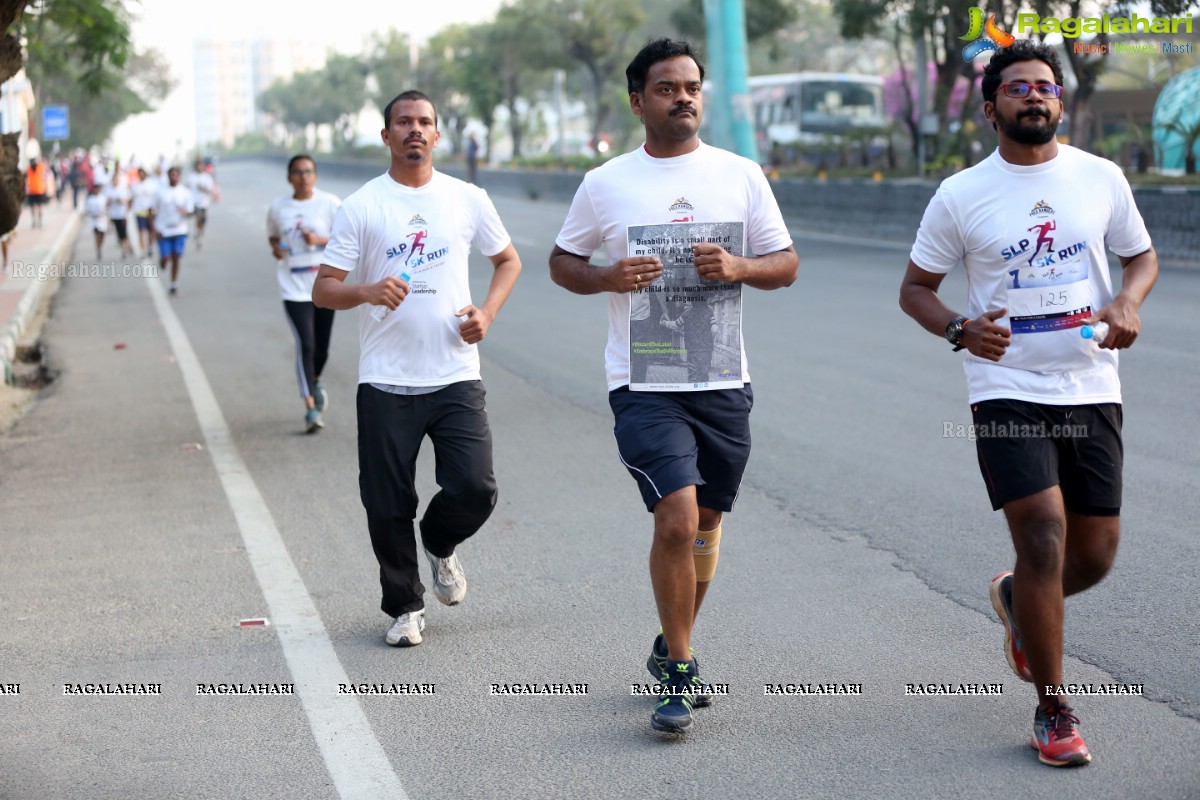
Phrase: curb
{"type": "Point", "coordinates": [30, 300]}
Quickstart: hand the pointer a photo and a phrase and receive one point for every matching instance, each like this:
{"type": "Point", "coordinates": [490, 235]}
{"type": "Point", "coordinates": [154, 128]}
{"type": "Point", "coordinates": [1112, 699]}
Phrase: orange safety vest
{"type": "Point", "coordinates": [35, 180]}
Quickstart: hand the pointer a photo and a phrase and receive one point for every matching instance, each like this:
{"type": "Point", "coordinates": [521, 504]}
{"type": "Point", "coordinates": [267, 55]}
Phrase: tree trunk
{"type": "Point", "coordinates": [12, 182]}
{"type": "Point", "coordinates": [602, 109]}
{"type": "Point", "coordinates": [515, 128]}
{"type": "Point", "coordinates": [12, 179]}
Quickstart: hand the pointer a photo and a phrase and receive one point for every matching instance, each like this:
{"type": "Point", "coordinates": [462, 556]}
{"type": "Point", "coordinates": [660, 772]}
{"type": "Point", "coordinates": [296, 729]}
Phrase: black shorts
{"type": "Point", "coordinates": [201, 216]}
{"type": "Point", "coordinates": [122, 230]}
{"type": "Point", "coordinates": [669, 440]}
{"type": "Point", "coordinates": [37, 199]}
{"type": "Point", "coordinates": [1025, 448]}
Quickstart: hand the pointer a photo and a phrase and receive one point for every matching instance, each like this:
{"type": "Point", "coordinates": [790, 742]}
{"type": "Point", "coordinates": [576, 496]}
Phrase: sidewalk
{"type": "Point", "coordinates": [28, 249]}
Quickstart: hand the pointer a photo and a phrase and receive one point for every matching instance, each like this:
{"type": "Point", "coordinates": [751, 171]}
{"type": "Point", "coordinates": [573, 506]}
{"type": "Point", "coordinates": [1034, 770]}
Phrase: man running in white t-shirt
{"type": "Point", "coordinates": [168, 224]}
{"type": "Point", "coordinates": [685, 442]}
{"type": "Point", "coordinates": [1046, 401]}
{"type": "Point", "coordinates": [419, 365]}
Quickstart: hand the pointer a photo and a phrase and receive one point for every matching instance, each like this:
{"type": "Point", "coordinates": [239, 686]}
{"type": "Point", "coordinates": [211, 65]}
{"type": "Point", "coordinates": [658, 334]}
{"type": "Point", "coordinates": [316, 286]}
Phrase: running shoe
{"type": "Point", "coordinates": [449, 582]}
{"type": "Point", "coordinates": [1056, 740]}
{"type": "Point", "coordinates": [312, 421]}
{"type": "Point", "coordinates": [406, 630]}
{"type": "Point", "coordinates": [678, 683]}
{"type": "Point", "coordinates": [657, 662]}
{"type": "Point", "coordinates": [1001, 594]}
{"type": "Point", "coordinates": [321, 397]}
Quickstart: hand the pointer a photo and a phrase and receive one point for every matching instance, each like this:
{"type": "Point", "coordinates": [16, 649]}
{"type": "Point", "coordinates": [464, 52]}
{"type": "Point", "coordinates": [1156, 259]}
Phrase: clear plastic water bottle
{"type": "Point", "coordinates": [283, 245]}
{"type": "Point", "coordinates": [1097, 333]}
{"type": "Point", "coordinates": [379, 313]}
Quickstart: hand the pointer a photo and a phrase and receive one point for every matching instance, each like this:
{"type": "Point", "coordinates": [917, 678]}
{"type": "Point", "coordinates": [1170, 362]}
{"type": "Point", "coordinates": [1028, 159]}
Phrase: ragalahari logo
{"type": "Point", "coordinates": [994, 37]}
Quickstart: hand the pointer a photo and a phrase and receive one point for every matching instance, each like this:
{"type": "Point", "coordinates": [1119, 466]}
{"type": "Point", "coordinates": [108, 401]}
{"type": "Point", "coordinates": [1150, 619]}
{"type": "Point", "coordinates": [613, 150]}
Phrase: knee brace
{"type": "Point", "coordinates": [706, 552]}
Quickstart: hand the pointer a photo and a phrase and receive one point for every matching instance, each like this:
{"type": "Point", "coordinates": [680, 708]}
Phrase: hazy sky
{"type": "Point", "coordinates": [171, 26]}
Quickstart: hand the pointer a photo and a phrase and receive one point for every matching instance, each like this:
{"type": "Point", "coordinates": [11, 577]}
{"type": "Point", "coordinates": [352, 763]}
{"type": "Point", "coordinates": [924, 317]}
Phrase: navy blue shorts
{"type": "Point", "coordinates": [669, 440]}
{"type": "Point", "coordinates": [1025, 448]}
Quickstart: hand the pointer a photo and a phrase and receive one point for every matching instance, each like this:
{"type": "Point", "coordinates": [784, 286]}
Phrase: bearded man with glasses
{"type": "Point", "coordinates": [1046, 402]}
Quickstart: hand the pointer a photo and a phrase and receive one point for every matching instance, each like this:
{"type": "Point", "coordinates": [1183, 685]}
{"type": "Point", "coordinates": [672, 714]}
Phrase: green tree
{"type": "Point", "coordinates": [435, 69]}
{"type": "Point", "coordinates": [390, 58]}
{"type": "Point", "coordinates": [937, 26]}
{"type": "Point", "coordinates": [514, 44]}
{"type": "Point", "coordinates": [144, 82]}
{"type": "Point", "coordinates": [764, 20]}
{"type": "Point", "coordinates": [595, 35]}
{"type": "Point", "coordinates": [343, 94]}
{"type": "Point", "coordinates": [482, 82]}
{"type": "Point", "coordinates": [440, 74]}
{"type": "Point", "coordinates": [80, 54]}
{"type": "Point", "coordinates": [294, 103]}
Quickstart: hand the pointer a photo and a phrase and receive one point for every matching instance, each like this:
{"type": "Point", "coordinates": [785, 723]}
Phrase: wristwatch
{"type": "Point", "coordinates": [954, 332]}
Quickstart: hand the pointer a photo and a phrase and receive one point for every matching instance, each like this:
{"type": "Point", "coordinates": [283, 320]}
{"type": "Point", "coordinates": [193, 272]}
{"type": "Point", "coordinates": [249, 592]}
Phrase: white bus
{"type": "Point", "coordinates": [813, 107]}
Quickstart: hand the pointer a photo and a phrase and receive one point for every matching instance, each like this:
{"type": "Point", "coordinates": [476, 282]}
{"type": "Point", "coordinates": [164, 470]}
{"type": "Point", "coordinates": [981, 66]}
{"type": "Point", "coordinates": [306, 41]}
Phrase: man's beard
{"type": "Point", "coordinates": [1024, 130]}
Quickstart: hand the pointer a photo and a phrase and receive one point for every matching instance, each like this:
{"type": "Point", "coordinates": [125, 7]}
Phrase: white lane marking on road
{"type": "Point", "coordinates": [353, 756]}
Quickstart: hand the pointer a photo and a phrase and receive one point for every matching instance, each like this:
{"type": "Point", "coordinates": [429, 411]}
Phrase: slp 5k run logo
{"type": "Point", "coordinates": [995, 38]}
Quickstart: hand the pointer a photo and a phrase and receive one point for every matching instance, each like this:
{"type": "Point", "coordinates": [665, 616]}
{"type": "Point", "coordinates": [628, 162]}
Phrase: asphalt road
{"type": "Point", "coordinates": [859, 553]}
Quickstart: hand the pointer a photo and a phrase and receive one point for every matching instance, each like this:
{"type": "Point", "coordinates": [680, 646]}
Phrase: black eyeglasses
{"type": "Point", "coordinates": [1020, 89]}
{"type": "Point", "coordinates": [304, 172]}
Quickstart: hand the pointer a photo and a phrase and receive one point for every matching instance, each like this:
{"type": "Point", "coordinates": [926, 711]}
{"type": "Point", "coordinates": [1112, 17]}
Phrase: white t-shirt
{"type": "Point", "coordinates": [201, 184]}
{"type": "Point", "coordinates": [118, 196]}
{"type": "Point", "coordinates": [289, 219]}
{"type": "Point", "coordinates": [95, 208]}
{"type": "Point", "coordinates": [426, 233]}
{"type": "Point", "coordinates": [705, 185]}
{"type": "Point", "coordinates": [169, 220]}
{"type": "Point", "coordinates": [1032, 239]}
{"type": "Point", "coordinates": [144, 194]}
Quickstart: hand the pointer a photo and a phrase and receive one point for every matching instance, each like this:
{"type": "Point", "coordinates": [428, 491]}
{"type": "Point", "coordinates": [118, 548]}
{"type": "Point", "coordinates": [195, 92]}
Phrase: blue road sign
{"type": "Point", "coordinates": [56, 122]}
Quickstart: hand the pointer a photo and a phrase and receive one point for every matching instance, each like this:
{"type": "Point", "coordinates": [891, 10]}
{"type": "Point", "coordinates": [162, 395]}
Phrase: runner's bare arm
{"type": "Point", "coordinates": [1124, 323]}
{"type": "Point", "coordinates": [576, 273]}
{"type": "Point", "coordinates": [507, 266]}
{"type": "Point", "coordinates": [920, 300]}
{"type": "Point", "coordinates": [330, 290]}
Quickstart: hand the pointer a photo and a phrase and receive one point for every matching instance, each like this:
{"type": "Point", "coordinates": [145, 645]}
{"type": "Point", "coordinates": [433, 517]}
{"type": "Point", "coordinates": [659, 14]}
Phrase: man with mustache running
{"type": "Point", "coordinates": [419, 367]}
{"type": "Point", "coordinates": [1046, 402]}
{"type": "Point", "coordinates": [686, 448]}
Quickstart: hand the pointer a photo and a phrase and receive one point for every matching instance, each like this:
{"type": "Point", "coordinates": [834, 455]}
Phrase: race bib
{"type": "Point", "coordinates": [1042, 299]}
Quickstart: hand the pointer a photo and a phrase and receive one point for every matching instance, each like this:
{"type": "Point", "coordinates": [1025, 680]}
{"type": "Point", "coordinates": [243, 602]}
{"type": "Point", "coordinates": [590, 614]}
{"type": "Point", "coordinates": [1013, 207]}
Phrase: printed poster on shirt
{"type": "Point", "coordinates": [685, 333]}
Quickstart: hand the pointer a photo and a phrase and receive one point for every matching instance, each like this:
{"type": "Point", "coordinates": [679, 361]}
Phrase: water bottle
{"type": "Point", "coordinates": [283, 245]}
{"type": "Point", "coordinates": [1097, 333]}
{"type": "Point", "coordinates": [379, 313]}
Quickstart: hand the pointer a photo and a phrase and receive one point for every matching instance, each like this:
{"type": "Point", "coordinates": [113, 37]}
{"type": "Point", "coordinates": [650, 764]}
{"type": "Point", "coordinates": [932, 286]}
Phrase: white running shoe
{"type": "Point", "coordinates": [449, 582]}
{"type": "Point", "coordinates": [406, 630]}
